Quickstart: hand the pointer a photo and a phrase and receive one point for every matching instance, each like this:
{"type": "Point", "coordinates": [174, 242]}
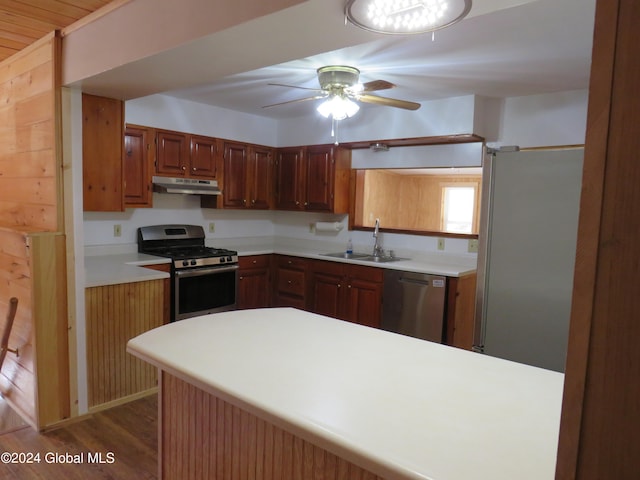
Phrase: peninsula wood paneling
{"type": "Point", "coordinates": [114, 315]}
{"type": "Point", "coordinates": [32, 270]}
{"type": "Point", "coordinates": [29, 164]}
{"type": "Point", "coordinates": [203, 437]}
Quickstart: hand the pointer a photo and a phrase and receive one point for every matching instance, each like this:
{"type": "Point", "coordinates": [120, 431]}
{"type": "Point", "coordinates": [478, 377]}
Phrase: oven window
{"type": "Point", "coordinates": [207, 292]}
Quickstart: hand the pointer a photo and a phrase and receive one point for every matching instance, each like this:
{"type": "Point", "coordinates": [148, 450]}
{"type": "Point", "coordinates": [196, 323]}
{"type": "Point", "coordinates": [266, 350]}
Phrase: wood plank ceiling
{"type": "Point", "coordinates": [24, 21]}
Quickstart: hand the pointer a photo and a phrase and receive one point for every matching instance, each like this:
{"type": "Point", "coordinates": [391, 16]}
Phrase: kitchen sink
{"type": "Point", "coordinates": [348, 256]}
{"type": "Point", "coordinates": [366, 257]}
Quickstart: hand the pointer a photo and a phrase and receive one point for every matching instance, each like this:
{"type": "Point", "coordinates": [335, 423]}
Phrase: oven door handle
{"type": "Point", "coordinates": [205, 271]}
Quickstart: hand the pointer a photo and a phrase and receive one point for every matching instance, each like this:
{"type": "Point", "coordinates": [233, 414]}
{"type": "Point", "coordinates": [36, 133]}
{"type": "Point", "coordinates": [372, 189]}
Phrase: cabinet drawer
{"type": "Point", "coordinates": [371, 274]}
{"type": "Point", "coordinates": [254, 261]}
{"type": "Point", "coordinates": [291, 282]}
{"type": "Point", "coordinates": [297, 263]}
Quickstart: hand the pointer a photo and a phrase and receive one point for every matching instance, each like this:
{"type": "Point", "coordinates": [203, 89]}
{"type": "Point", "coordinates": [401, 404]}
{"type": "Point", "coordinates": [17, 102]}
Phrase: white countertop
{"type": "Point", "coordinates": [400, 407]}
{"type": "Point", "coordinates": [101, 270]}
{"type": "Point", "coordinates": [105, 268]}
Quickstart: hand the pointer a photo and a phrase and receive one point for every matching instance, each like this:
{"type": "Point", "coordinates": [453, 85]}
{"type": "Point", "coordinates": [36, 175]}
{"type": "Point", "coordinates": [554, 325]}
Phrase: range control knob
{"type": "Point", "coordinates": [193, 262]}
{"type": "Point", "coordinates": [229, 259]}
{"type": "Point", "coordinates": [222, 260]}
{"type": "Point", "coordinates": [185, 263]}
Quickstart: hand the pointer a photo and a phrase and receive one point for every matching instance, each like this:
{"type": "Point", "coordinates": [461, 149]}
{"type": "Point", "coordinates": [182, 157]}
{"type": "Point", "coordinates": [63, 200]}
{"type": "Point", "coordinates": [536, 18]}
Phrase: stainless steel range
{"type": "Point", "coordinates": [204, 279]}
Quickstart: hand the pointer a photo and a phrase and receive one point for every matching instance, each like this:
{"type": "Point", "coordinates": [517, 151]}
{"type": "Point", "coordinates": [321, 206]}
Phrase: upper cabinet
{"type": "Point", "coordinates": [203, 156]}
{"type": "Point", "coordinates": [247, 176]}
{"type": "Point", "coordinates": [314, 178]}
{"type": "Point", "coordinates": [182, 155]}
{"type": "Point", "coordinates": [102, 154]}
{"type": "Point", "coordinates": [139, 156]}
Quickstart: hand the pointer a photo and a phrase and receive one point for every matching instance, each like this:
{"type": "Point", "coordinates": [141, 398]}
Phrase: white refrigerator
{"type": "Point", "coordinates": [527, 244]}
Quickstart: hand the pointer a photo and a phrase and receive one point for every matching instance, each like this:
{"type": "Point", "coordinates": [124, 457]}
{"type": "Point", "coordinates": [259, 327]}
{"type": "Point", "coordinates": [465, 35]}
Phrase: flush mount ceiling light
{"type": "Point", "coordinates": [405, 16]}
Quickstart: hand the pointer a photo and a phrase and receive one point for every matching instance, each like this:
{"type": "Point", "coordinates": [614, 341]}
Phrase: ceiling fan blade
{"type": "Point", "coordinates": [375, 85]}
{"type": "Point", "coordinates": [316, 97]}
{"type": "Point", "coordinates": [295, 86]}
{"type": "Point", "coordinates": [389, 102]}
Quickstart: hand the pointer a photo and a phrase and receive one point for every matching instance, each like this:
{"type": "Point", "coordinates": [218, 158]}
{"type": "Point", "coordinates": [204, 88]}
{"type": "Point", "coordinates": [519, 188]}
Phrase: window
{"type": "Point", "coordinates": [458, 206]}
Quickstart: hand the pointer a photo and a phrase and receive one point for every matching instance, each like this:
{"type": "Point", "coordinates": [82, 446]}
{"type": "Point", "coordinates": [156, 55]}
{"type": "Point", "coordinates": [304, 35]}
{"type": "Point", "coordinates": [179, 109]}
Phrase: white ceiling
{"type": "Point", "coordinates": [504, 48]}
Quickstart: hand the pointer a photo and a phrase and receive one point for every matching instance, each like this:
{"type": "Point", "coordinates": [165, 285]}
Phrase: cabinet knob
{"type": "Point", "coordinates": [306, 204]}
{"type": "Point", "coordinates": [244, 201]}
{"type": "Point", "coordinates": [184, 168]}
{"type": "Point", "coordinates": [297, 202]}
{"type": "Point", "coordinates": [255, 261]}
{"type": "Point", "coordinates": [349, 286]}
{"type": "Point", "coordinates": [194, 169]}
{"type": "Point", "coordinates": [289, 282]}
{"type": "Point", "coordinates": [241, 278]}
{"type": "Point", "coordinates": [339, 285]}
{"type": "Point", "coordinates": [253, 202]}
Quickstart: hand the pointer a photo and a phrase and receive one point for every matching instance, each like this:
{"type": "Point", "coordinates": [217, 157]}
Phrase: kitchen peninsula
{"type": "Point", "coordinates": [283, 393]}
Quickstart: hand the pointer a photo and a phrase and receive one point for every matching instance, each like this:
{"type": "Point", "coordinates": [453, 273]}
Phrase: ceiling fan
{"type": "Point", "coordinates": [340, 87]}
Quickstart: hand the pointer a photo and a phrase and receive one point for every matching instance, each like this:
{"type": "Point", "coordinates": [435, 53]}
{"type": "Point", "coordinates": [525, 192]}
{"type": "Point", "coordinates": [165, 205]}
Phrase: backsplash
{"type": "Point", "coordinates": [99, 227]}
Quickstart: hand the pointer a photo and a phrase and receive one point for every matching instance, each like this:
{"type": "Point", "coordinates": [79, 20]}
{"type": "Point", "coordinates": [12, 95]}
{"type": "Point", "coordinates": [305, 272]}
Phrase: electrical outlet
{"type": "Point", "coordinates": [212, 227]}
{"type": "Point", "coordinates": [473, 245]}
{"type": "Point", "coordinates": [441, 244]}
{"type": "Point", "coordinates": [117, 230]}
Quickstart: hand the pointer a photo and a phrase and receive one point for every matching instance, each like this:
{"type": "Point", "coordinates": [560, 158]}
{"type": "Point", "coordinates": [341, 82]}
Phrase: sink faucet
{"type": "Point", "coordinates": [377, 249]}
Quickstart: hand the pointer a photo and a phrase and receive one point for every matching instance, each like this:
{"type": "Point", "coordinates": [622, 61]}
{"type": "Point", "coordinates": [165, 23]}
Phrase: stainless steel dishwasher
{"type": "Point", "coordinates": [413, 304]}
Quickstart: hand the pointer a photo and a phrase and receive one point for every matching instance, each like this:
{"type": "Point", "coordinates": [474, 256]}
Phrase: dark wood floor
{"type": "Point", "coordinates": [125, 436]}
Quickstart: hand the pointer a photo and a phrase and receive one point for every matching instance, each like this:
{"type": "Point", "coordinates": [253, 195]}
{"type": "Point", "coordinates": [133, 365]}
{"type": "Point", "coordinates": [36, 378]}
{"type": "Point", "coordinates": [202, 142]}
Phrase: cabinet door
{"type": "Point", "coordinates": [260, 177]}
{"type": "Point", "coordinates": [319, 179]}
{"type": "Point", "coordinates": [326, 293]}
{"type": "Point", "coordinates": [289, 175]}
{"type": "Point", "coordinates": [102, 154]}
{"type": "Point", "coordinates": [137, 180]}
{"type": "Point", "coordinates": [235, 172]}
{"type": "Point", "coordinates": [172, 153]}
{"type": "Point", "coordinates": [202, 162]}
{"type": "Point", "coordinates": [254, 282]}
{"type": "Point", "coordinates": [364, 302]}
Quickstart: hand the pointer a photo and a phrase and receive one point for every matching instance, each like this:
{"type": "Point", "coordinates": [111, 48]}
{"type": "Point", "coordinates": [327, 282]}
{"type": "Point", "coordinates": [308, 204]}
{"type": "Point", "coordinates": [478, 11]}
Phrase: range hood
{"type": "Point", "coordinates": [190, 186]}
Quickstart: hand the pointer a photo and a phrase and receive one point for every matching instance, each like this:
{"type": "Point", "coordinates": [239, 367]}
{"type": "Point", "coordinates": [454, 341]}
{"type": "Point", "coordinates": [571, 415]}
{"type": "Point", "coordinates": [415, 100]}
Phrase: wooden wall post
{"type": "Point", "coordinates": [599, 433]}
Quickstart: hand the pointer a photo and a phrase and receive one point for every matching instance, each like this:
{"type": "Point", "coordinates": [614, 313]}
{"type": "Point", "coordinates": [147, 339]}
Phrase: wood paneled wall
{"type": "Point", "coordinates": [32, 251]}
{"type": "Point", "coordinates": [30, 196]}
{"type": "Point", "coordinates": [114, 315]}
{"type": "Point", "coordinates": [407, 202]}
{"type": "Point", "coordinates": [204, 437]}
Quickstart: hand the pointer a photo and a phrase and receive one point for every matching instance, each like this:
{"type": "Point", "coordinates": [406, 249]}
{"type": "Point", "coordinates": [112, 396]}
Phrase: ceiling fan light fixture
{"type": "Point", "coordinates": [405, 16]}
{"type": "Point", "coordinates": [338, 107]}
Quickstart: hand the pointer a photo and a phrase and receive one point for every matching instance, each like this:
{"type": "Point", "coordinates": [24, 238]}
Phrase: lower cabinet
{"type": "Point", "coordinates": [460, 316]}
{"type": "Point", "coordinates": [290, 281]}
{"type": "Point", "coordinates": [114, 315]}
{"type": "Point", "coordinates": [348, 292]}
{"type": "Point", "coordinates": [342, 290]}
{"type": "Point", "coordinates": [254, 281]}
